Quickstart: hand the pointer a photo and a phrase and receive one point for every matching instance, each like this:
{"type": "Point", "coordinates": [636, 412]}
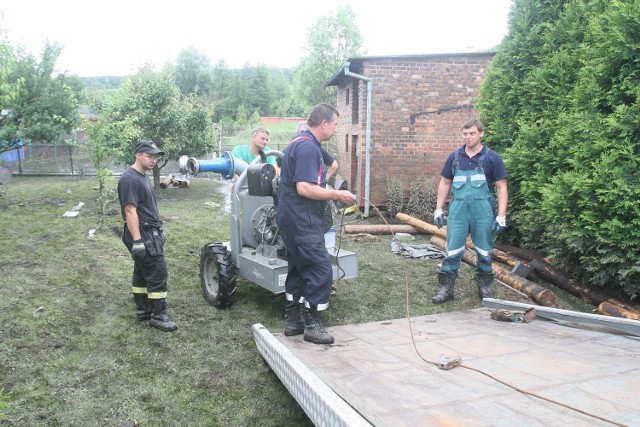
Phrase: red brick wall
{"type": "Point", "coordinates": [439, 90]}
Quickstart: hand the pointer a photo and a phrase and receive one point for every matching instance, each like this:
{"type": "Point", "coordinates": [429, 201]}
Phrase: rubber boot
{"type": "Point", "coordinates": [314, 329]}
{"type": "Point", "coordinates": [143, 307]}
{"type": "Point", "coordinates": [159, 317]}
{"type": "Point", "coordinates": [484, 284]}
{"type": "Point", "coordinates": [294, 325]}
{"type": "Point", "coordinates": [447, 281]}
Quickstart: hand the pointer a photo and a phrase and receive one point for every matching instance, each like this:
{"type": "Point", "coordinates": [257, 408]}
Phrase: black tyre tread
{"type": "Point", "coordinates": [226, 271]}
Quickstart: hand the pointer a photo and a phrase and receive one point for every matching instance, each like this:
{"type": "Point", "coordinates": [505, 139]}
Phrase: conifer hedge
{"type": "Point", "coordinates": [561, 103]}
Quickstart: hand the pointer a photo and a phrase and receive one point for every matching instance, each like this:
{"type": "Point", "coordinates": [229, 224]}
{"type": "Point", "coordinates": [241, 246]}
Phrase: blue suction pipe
{"type": "Point", "coordinates": [227, 165]}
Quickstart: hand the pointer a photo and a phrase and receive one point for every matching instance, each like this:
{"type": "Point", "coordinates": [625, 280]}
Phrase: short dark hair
{"type": "Point", "coordinates": [471, 123]}
{"type": "Point", "coordinates": [321, 112]}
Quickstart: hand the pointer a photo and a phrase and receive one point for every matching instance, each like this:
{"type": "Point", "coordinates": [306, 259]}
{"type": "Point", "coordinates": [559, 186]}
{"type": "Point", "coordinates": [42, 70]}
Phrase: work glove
{"type": "Point", "coordinates": [138, 250]}
{"type": "Point", "coordinates": [499, 225]}
{"type": "Point", "coordinates": [438, 218]}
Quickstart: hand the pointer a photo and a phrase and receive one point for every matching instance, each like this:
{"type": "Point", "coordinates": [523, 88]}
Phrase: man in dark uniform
{"type": "Point", "coordinates": [144, 238]}
{"type": "Point", "coordinates": [300, 213]}
{"type": "Point", "coordinates": [470, 173]}
{"type": "Point", "coordinates": [329, 161]}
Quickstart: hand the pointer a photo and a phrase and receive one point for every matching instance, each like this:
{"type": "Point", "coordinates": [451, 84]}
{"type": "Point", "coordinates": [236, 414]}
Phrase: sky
{"type": "Point", "coordinates": [116, 37]}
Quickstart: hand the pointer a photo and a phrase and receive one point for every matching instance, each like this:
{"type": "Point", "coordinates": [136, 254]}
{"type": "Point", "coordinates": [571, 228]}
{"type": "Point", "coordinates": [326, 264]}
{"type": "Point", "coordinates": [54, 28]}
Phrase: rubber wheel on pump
{"type": "Point", "coordinates": [217, 275]}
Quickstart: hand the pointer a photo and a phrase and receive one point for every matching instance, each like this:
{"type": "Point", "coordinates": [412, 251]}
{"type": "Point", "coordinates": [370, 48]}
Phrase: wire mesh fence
{"type": "Point", "coordinates": [71, 159]}
{"type": "Point", "coordinates": [49, 159]}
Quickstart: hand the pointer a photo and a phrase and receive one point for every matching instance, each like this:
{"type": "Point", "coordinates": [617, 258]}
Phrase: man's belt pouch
{"type": "Point", "coordinates": [153, 240]}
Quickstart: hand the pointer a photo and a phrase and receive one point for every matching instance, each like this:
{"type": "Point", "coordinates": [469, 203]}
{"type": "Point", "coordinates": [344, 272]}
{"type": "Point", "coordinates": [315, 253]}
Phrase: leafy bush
{"type": "Point", "coordinates": [561, 101]}
{"type": "Point", "coordinates": [422, 198]}
{"type": "Point", "coordinates": [395, 196]}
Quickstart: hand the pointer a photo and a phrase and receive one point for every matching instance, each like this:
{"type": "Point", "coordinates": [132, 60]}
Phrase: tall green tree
{"type": "Point", "coordinates": [331, 40]}
{"type": "Point", "coordinates": [9, 90]}
{"type": "Point", "coordinates": [46, 106]}
{"type": "Point", "coordinates": [193, 73]}
{"type": "Point", "coordinates": [9, 86]}
{"type": "Point", "coordinates": [561, 101]}
{"type": "Point", "coordinates": [100, 155]}
{"type": "Point", "coordinates": [150, 106]}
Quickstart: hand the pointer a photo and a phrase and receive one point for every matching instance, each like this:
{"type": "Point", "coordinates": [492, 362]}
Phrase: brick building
{"type": "Point", "coordinates": [411, 108]}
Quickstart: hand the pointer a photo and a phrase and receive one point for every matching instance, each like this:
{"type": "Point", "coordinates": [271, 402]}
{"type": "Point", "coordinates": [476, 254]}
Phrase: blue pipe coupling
{"type": "Point", "coordinates": [224, 165]}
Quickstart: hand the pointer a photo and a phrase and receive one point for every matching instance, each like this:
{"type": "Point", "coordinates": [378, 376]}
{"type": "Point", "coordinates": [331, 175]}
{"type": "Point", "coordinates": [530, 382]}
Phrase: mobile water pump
{"type": "Point", "coordinates": [255, 251]}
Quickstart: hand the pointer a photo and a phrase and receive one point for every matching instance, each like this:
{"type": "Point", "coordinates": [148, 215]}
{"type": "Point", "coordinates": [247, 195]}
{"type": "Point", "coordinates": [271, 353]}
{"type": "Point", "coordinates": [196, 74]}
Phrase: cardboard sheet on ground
{"type": "Point", "coordinates": [422, 251]}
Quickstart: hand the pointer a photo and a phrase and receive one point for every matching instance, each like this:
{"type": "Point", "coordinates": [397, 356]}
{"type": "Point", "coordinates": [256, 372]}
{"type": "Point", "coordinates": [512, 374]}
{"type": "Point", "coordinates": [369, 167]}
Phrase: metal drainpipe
{"type": "Point", "coordinates": [367, 151]}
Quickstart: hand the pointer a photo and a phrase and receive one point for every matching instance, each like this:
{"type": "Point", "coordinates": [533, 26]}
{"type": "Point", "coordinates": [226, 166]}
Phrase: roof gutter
{"type": "Point", "coordinates": [367, 156]}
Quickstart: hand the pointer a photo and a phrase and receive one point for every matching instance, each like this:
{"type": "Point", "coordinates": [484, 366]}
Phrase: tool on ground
{"type": "Point", "coordinates": [514, 316]}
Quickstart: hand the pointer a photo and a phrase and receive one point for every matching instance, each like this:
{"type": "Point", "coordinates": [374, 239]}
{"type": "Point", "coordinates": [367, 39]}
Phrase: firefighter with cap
{"type": "Point", "coordinates": [302, 196]}
{"type": "Point", "coordinates": [144, 238]}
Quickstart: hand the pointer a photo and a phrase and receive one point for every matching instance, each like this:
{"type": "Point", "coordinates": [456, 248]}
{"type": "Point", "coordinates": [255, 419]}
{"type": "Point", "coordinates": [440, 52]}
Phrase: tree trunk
{"type": "Point", "coordinates": [537, 293]}
{"type": "Point", "coordinates": [431, 229]}
{"type": "Point", "coordinates": [167, 181]}
{"type": "Point", "coordinates": [609, 309]}
{"type": "Point", "coordinates": [382, 229]}
{"type": "Point", "coordinates": [518, 252]}
{"type": "Point", "coordinates": [156, 177]}
{"type": "Point", "coordinates": [593, 296]}
{"type": "Point", "coordinates": [505, 258]}
{"type": "Point", "coordinates": [442, 232]}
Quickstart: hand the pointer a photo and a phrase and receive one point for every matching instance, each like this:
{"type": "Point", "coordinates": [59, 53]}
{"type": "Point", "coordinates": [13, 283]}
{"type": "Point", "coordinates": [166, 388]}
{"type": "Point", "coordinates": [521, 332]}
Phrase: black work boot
{"type": "Point", "coordinates": [143, 307]}
{"type": "Point", "coordinates": [484, 284]}
{"type": "Point", "coordinates": [313, 328]}
{"type": "Point", "coordinates": [447, 281]}
{"type": "Point", "coordinates": [294, 325]}
{"type": "Point", "coordinates": [159, 317]}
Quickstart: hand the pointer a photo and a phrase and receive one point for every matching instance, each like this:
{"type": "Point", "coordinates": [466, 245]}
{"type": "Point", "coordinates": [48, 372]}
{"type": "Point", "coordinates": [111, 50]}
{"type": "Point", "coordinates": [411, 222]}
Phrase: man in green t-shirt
{"type": "Point", "coordinates": [257, 141]}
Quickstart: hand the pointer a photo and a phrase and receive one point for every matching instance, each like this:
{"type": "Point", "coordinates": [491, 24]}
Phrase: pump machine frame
{"type": "Point", "coordinates": [255, 250]}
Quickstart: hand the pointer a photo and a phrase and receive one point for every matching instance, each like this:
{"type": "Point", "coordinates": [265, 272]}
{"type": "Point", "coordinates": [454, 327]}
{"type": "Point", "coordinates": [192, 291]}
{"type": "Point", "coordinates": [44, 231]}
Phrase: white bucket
{"type": "Point", "coordinates": [330, 238]}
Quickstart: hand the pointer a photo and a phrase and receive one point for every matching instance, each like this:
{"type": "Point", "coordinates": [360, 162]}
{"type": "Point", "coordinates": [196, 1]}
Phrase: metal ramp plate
{"type": "Point", "coordinates": [321, 404]}
{"type": "Point", "coordinates": [374, 368]}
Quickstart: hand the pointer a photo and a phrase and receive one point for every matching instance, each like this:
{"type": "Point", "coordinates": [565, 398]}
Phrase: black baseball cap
{"type": "Point", "coordinates": [148, 146]}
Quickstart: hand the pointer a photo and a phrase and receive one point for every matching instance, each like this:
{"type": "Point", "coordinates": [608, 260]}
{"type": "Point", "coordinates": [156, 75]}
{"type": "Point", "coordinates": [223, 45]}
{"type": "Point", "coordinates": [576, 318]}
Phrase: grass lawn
{"type": "Point", "coordinates": [72, 353]}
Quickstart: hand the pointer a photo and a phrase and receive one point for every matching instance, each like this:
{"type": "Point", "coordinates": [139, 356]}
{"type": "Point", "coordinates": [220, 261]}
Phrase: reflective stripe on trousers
{"type": "Point", "coordinates": [471, 211]}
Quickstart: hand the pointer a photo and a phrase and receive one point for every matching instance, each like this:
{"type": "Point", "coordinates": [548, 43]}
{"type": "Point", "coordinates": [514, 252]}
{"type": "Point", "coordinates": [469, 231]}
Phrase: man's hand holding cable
{"type": "Point", "coordinates": [346, 197]}
{"type": "Point", "coordinates": [138, 250]}
{"type": "Point", "coordinates": [438, 218]}
{"type": "Point", "coordinates": [499, 225]}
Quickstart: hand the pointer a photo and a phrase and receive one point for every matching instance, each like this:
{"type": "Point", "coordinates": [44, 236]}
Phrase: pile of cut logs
{"type": "Point", "coordinates": [521, 261]}
{"type": "Point", "coordinates": [175, 180]}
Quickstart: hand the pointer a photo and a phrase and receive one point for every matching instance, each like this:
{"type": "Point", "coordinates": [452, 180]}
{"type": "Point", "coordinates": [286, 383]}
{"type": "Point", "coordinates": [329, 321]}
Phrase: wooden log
{"type": "Point", "coordinates": [166, 181]}
{"type": "Point", "coordinates": [537, 293]}
{"type": "Point", "coordinates": [524, 254]}
{"type": "Point", "coordinates": [181, 181]}
{"type": "Point", "coordinates": [505, 258]}
{"type": "Point", "coordinates": [592, 296]}
{"type": "Point", "coordinates": [509, 255]}
{"type": "Point", "coordinates": [429, 228]}
{"type": "Point", "coordinates": [608, 309]}
{"type": "Point", "coordinates": [442, 232]}
{"type": "Point", "coordinates": [546, 271]}
{"type": "Point", "coordinates": [381, 229]}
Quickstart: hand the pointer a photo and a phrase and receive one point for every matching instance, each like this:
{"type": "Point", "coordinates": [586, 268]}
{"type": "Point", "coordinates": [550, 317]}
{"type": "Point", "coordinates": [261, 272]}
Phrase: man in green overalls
{"type": "Point", "coordinates": [470, 174]}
